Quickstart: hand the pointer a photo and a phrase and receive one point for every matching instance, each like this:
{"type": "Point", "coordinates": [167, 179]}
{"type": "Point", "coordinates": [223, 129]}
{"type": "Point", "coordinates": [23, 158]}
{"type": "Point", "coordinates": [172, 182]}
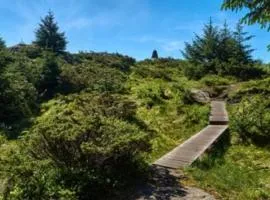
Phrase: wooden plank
{"type": "Point", "coordinates": [186, 153]}
{"type": "Point", "coordinates": [218, 115]}
{"type": "Point", "coordinates": [189, 151]}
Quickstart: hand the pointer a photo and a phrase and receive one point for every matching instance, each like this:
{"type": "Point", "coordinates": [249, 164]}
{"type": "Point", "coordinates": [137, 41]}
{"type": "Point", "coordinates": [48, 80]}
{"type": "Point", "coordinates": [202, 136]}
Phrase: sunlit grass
{"type": "Point", "coordinates": [161, 107]}
{"type": "Point", "coordinates": [243, 173]}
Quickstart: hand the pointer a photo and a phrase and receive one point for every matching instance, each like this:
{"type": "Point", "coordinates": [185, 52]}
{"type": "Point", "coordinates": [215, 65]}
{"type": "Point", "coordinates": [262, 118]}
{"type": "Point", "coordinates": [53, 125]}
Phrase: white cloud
{"type": "Point", "coordinates": [166, 44]}
{"type": "Point", "coordinates": [192, 26]}
{"type": "Point", "coordinates": [173, 45]}
{"type": "Point", "coordinates": [78, 23]}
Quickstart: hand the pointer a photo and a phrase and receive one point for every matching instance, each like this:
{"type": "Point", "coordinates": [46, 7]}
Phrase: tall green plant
{"type": "Point", "coordinates": [242, 50]}
{"type": "Point", "coordinates": [48, 35]}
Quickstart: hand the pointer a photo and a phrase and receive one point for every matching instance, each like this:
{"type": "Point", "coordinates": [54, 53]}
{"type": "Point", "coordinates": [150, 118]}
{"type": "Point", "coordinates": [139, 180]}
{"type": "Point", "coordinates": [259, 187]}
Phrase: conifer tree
{"type": "Point", "coordinates": [204, 49]}
{"type": "Point", "coordinates": [242, 50]}
{"type": "Point", "coordinates": [50, 76]}
{"type": "Point", "coordinates": [226, 44]}
{"type": "Point", "coordinates": [48, 35]}
{"type": "Point", "coordinates": [155, 54]}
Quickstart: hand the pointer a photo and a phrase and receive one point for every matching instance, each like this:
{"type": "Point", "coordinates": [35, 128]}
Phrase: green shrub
{"type": "Point", "coordinates": [165, 69]}
{"type": "Point", "coordinates": [104, 59]}
{"type": "Point", "coordinates": [30, 51]}
{"type": "Point", "coordinates": [195, 72]}
{"type": "Point", "coordinates": [92, 76]}
{"type": "Point", "coordinates": [18, 97]}
{"type": "Point", "coordinates": [83, 145]}
{"type": "Point", "coordinates": [215, 80]}
{"type": "Point", "coordinates": [251, 119]}
{"type": "Point", "coordinates": [251, 88]}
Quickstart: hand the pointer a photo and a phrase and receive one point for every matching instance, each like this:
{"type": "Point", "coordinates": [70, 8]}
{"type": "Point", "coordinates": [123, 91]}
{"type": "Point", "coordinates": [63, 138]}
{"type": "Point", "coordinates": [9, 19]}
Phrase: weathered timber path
{"type": "Point", "coordinates": [166, 181]}
{"type": "Point", "coordinates": [186, 153]}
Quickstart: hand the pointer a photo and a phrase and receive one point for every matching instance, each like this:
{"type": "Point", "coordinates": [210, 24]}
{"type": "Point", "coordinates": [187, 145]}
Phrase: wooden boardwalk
{"type": "Point", "coordinates": [186, 153]}
{"type": "Point", "coordinates": [219, 115]}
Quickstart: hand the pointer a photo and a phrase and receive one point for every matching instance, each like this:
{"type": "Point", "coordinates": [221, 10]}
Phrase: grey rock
{"type": "Point", "coordinates": [200, 96]}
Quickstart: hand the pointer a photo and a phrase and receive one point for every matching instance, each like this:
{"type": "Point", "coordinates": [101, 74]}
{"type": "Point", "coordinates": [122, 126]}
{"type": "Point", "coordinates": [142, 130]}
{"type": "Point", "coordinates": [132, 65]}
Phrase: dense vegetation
{"type": "Point", "coordinates": [71, 124]}
{"type": "Point", "coordinates": [239, 167]}
{"type": "Point", "coordinates": [223, 52]}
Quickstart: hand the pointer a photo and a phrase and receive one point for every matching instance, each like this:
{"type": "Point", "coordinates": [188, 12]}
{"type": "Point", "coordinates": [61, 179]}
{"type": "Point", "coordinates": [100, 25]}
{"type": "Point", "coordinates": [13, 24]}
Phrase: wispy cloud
{"type": "Point", "coordinates": [191, 26]}
{"type": "Point", "coordinates": [71, 15]}
{"type": "Point", "coordinates": [78, 23]}
{"type": "Point", "coordinates": [173, 45]}
{"type": "Point", "coordinates": [166, 44]}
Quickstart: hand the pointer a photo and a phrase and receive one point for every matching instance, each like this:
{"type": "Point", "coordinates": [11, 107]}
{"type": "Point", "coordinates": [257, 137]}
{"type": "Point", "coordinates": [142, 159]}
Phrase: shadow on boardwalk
{"type": "Point", "coordinates": [165, 185]}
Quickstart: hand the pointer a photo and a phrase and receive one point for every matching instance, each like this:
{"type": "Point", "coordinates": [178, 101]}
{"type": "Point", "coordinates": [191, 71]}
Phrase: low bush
{"type": "Point", "coordinates": [251, 119]}
{"type": "Point", "coordinates": [91, 76]}
{"type": "Point", "coordinates": [215, 80]}
{"type": "Point", "coordinates": [83, 145]}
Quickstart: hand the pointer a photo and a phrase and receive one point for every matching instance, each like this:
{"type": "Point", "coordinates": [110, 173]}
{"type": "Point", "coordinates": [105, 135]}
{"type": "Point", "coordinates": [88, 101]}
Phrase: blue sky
{"type": "Point", "coordinates": [130, 27]}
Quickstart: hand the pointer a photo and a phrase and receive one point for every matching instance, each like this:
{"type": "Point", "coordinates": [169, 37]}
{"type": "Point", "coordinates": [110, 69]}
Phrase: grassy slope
{"type": "Point", "coordinates": [161, 106]}
{"type": "Point", "coordinates": [236, 171]}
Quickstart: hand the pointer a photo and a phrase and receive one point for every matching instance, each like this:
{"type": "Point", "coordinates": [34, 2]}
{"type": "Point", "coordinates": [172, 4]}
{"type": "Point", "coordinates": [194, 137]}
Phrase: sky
{"type": "Point", "coordinates": [129, 27]}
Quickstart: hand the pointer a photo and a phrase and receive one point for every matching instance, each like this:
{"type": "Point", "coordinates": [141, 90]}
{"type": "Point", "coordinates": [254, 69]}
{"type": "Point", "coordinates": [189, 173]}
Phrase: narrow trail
{"type": "Point", "coordinates": [166, 181]}
{"type": "Point", "coordinates": [186, 153]}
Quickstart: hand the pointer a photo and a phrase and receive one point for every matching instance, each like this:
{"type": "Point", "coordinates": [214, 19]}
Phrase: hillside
{"type": "Point", "coordinates": [89, 125]}
{"type": "Point", "coordinates": [107, 107]}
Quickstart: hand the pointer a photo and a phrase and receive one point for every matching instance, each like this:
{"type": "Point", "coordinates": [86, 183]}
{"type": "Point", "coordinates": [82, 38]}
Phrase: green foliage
{"type": "Point", "coordinates": [243, 51]}
{"type": "Point", "coordinates": [49, 76]}
{"type": "Point", "coordinates": [112, 60]}
{"type": "Point", "coordinates": [48, 36]}
{"type": "Point", "coordinates": [5, 59]}
{"type": "Point", "coordinates": [195, 72]}
{"type": "Point", "coordinates": [258, 11]}
{"type": "Point", "coordinates": [163, 68]}
{"type": "Point", "coordinates": [204, 49]}
{"type": "Point", "coordinates": [24, 177]}
{"type": "Point", "coordinates": [158, 87]}
{"type": "Point", "coordinates": [251, 120]}
{"type": "Point", "coordinates": [80, 145]}
{"type": "Point", "coordinates": [243, 173]}
{"type": "Point", "coordinates": [18, 95]}
{"type": "Point", "coordinates": [30, 51]}
{"type": "Point", "coordinates": [248, 89]}
{"type": "Point", "coordinates": [92, 76]}
{"type": "Point", "coordinates": [214, 80]}
{"type": "Point", "coordinates": [238, 167]}
{"type": "Point", "coordinates": [221, 51]}
{"type": "Point", "coordinates": [117, 114]}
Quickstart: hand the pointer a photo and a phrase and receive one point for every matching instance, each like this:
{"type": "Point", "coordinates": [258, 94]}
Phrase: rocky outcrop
{"type": "Point", "coordinates": [200, 96]}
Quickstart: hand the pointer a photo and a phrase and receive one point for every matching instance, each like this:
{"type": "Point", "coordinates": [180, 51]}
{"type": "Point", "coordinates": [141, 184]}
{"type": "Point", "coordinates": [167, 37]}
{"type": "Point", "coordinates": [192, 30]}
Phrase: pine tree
{"type": "Point", "coordinates": [48, 35]}
{"type": "Point", "coordinates": [50, 77]}
{"type": "Point", "coordinates": [243, 51]}
{"type": "Point", "coordinates": [204, 49]}
{"type": "Point", "coordinates": [227, 44]}
{"type": "Point", "coordinates": [155, 54]}
{"type": "Point", "coordinates": [219, 51]}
